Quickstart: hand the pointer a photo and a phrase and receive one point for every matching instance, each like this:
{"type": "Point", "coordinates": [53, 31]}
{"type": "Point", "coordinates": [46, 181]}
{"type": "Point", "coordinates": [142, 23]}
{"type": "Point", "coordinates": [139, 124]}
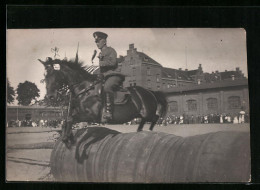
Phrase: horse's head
{"type": "Point", "coordinates": [63, 72]}
{"type": "Point", "coordinates": [54, 78]}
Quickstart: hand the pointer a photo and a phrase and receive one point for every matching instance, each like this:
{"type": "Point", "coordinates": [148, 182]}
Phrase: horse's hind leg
{"type": "Point", "coordinates": [155, 119]}
{"type": "Point", "coordinates": [141, 125]}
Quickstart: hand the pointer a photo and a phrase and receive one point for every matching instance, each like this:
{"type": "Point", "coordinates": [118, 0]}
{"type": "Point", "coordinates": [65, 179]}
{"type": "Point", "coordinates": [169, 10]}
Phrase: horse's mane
{"type": "Point", "coordinates": [76, 66]}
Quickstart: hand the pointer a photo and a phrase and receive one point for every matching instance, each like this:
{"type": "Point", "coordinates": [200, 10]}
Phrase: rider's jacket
{"type": "Point", "coordinates": [108, 61]}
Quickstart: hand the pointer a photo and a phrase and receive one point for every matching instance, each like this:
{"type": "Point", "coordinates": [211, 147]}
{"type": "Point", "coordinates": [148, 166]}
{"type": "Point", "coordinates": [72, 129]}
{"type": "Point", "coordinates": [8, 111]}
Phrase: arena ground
{"type": "Point", "coordinates": [27, 162]}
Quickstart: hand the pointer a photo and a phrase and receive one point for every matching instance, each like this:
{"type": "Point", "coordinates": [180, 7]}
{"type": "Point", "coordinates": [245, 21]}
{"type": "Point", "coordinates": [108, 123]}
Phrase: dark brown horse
{"type": "Point", "coordinates": [86, 103]}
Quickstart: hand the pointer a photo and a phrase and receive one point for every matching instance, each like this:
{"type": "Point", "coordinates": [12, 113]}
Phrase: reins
{"type": "Point", "coordinates": [89, 88]}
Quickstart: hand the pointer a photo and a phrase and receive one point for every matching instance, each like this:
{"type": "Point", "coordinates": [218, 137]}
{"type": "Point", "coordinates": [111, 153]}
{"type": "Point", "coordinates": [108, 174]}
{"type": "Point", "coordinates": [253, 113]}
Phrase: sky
{"type": "Point", "coordinates": [216, 49]}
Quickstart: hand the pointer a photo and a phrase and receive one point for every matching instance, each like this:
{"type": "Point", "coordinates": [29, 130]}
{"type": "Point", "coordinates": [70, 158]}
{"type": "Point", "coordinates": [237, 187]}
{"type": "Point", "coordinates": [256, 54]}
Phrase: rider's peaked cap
{"type": "Point", "coordinates": [100, 35]}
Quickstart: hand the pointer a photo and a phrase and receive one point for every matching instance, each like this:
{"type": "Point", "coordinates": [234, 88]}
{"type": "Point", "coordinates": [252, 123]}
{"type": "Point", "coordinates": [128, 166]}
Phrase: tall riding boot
{"type": "Point", "coordinates": [108, 111]}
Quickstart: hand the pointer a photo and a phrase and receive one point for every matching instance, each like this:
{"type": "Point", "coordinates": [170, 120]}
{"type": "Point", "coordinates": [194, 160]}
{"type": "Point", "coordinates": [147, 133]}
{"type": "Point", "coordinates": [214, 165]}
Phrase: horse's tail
{"type": "Point", "coordinates": [161, 99]}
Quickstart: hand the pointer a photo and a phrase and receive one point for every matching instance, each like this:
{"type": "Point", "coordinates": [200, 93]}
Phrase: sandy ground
{"type": "Point", "coordinates": [33, 164]}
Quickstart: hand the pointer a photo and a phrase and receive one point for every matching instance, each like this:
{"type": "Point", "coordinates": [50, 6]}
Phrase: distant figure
{"type": "Point", "coordinates": [235, 121]}
{"type": "Point", "coordinates": [229, 119]}
{"type": "Point", "coordinates": [205, 119]}
{"type": "Point", "coordinates": [221, 119]}
{"type": "Point", "coordinates": [34, 124]}
{"type": "Point", "coordinates": [242, 117]}
{"type": "Point", "coordinates": [181, 119]}
{"type": "Point", "coordinates": [41, 123]}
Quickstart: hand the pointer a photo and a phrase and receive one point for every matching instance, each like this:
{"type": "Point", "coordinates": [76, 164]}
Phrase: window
{"type": "Point", "coordinates": [149, 85]}
{"type": "Point", "coordinates": [131, 61]}
{"type": "Point", "coordinates": [148, 71]}
{"type": "Point", "coordinates": [212, 103]}
{"type": "Point", "coordinates": [157, 78]}
{"type": "Point", "coordinates": [173, 106]}
{"type": "Point", "coordinates": [134, 71]}
{"type": "Point", "coordinates": [168, 86]}
{"type": "Point", "coordinates": [158, 87]}
{"type": "Point", "coordinates": [163, 85]}
{"type": "Point", "coordinates": [234, 102]}
{"type": "Point", "coordinates": [192, 105]}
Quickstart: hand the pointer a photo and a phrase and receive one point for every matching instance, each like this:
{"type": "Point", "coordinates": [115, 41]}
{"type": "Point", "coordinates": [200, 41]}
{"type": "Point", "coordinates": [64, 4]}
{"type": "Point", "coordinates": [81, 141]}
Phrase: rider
{"type": "Point", "coordinates": [108, 65]}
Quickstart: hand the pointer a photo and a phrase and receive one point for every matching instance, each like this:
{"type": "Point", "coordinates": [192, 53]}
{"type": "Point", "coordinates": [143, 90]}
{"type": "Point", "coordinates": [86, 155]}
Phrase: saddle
{"type": "Point", "coordinates": [121, 96]}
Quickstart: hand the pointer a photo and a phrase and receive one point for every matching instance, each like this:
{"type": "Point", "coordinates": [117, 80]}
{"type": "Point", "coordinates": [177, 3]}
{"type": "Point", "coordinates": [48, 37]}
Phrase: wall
{"type": "Point", "coordinates": [37, 113]}
{"type": "Point", "coordinates": [202, 97]}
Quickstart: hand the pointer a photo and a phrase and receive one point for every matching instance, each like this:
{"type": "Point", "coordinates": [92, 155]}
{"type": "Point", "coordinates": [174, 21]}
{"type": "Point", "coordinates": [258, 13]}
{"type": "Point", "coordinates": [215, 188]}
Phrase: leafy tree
{"type": "Point", "coordinates": [10, 93]}
{"type": "Point", "coordinates": [27, 92]}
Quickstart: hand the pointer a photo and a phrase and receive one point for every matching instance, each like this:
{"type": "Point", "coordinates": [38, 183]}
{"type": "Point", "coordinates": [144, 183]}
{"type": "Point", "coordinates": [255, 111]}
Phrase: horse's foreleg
{"type": "Point", "coordinates": [141, 125]}
{"type": "Point", "coordinates": [155, 119]}
{"type": "Point", "coordinates": [67, 136]}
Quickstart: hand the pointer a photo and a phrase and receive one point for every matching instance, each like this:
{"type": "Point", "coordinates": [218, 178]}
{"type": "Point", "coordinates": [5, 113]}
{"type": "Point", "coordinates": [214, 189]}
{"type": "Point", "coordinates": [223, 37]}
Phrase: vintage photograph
{"type": "Point", "coordinates": [138, 105]}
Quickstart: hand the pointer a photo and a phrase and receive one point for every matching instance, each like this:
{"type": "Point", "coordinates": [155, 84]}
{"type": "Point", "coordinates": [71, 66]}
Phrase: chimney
{"type": "Point", "coordinates": [131, 46]}
{"type": "Point", "coordinates": [186, 69]}
{"type": "Point", "coordinates": [225, 70]}
{"type": "Point", "coordinates": [180, 69]}
{"type": "Point", "coordinates": [237, 69]}
{"type": "Point", "coordinates": [216, 71]}
{"type": "Point", "coordinates": [200, 68]}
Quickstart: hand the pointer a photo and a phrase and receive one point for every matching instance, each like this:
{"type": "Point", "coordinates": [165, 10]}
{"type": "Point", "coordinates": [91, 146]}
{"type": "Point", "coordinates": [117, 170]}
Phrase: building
{"type": "Point", "coordinates": [190, 92]}
{"type": "Point", "coordinates": [222, 97]}
{"type": "Point", "coordinates": [141, 70]}
{"type": "Point", "coordinates": [33, 113]}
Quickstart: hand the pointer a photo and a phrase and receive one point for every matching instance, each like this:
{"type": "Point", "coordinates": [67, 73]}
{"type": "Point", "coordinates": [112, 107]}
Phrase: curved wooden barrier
{"type": "Point", "coordinates": [151, 157]}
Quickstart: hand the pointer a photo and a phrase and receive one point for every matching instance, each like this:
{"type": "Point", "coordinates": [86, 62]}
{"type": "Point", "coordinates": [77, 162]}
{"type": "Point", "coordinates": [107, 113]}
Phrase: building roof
{"type": "Point", "coordinates": [192, 72]}
{"type": "Point", "coordinates": [227, 74]}
{"type": "Point", "coordinates": [170, 73]}
{"type": "Point", "coordinates": [143, 56]}
{"type": "Point", "coordinates": [205, 86]}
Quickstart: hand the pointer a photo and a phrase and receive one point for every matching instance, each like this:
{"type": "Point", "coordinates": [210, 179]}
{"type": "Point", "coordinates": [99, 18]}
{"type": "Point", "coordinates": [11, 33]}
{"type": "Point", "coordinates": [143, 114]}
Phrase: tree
{"type": "Point", "coordinates": [26, 92]}
{"type": "Point", "coordinates": [10, 93]}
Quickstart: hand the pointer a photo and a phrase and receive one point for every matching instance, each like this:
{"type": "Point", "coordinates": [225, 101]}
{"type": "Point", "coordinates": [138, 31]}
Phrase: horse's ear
{"type": "Point", "coordinates": [42, 62]}
{"type": "Point", "coordinates": [46, 65]}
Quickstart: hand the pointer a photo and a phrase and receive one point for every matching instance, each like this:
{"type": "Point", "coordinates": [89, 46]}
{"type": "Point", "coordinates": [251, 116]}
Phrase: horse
{"type": "Point", "coordinates": [87, 98]}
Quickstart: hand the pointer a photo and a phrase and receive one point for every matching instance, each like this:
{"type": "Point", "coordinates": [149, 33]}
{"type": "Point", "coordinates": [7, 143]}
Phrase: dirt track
{"type": "Point", "coordinates": [28, 161]}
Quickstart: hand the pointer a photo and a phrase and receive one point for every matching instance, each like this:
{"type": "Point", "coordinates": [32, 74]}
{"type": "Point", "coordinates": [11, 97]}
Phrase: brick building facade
{"type": "Point", "coordinates": [222, 97]}
{"type": "Point", "coordinates": [191, 92]}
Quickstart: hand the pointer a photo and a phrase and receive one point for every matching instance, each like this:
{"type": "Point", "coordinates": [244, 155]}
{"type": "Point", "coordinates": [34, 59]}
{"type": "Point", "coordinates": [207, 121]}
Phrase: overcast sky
{"type": "Point", "coordinates": [215, 49]}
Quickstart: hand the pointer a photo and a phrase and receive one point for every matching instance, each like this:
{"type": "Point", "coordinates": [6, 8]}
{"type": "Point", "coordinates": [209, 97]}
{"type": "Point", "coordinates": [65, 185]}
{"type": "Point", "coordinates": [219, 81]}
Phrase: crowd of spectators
{"type": "Point", "coordinates": [241, 117]}
{"type": "Point", "coordinates": [204, 119]}
{"type": "Point", "coordinates": [54, 123]}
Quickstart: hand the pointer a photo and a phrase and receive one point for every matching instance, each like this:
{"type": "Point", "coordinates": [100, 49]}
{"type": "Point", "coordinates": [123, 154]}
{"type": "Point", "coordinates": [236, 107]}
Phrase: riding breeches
{"type": "Point", "coordinates": [113, 84]}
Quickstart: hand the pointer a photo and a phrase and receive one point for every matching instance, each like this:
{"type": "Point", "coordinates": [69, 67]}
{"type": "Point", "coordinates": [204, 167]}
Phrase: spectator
{"type": "Point", "coordinates": [221, 118]}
